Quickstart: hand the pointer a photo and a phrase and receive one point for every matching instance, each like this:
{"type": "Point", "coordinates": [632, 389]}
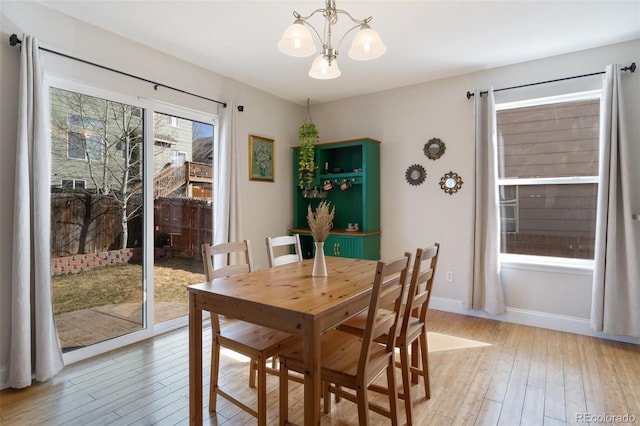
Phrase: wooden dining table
{"type": "Point", "coordinates": [285, 298]}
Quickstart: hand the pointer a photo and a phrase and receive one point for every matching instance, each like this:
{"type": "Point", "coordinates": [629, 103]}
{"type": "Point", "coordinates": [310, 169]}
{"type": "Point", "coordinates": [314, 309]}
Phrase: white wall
{"type": "Point", "coordinates": [266, 206]}
{"type": "Point", "coordinates": [404, 119]}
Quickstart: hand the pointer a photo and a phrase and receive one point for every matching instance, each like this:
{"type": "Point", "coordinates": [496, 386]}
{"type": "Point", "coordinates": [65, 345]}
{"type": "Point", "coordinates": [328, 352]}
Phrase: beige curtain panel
{"type": "Point", "coordinates": [485, 291]}
{"type": "Point", "coordinates": [615, 307]}
{"type": "Point", "coordinates": [34, 349]}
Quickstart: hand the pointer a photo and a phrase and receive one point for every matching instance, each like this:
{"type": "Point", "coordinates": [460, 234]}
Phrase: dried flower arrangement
{"type": "Point", "coordinates": [320, 221]}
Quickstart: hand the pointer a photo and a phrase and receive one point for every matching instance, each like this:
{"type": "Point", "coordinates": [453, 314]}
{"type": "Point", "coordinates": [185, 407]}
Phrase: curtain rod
{"type": "Point", "coordinates": [14, 40]}
{"type": "Point", "coordinates": [631, 68]}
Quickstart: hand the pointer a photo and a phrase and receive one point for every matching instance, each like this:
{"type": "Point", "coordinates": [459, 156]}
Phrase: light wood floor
{"type": "Point", "coordinates": [528, 376]}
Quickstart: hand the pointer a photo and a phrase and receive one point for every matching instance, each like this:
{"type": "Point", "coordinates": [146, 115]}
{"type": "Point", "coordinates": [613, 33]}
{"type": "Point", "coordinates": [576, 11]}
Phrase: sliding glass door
{"type": "Point", "coordinates": [131, 204]}
{"type": "Point", "coordinates": [97, 211]}
{"type": "Point", "coordinates": [182, 203]}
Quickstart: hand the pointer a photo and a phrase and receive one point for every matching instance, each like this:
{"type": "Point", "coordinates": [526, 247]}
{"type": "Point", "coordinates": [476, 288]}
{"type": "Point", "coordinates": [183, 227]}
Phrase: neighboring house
{"type": "Point", "coordinates": [96, 146]}
{"type": "Point", "coordinates": [94, 142]}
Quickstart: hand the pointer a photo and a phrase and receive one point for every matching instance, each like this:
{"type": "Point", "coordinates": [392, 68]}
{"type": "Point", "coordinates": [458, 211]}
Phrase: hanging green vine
{"type": "Point", "coordinates": [308, 136]}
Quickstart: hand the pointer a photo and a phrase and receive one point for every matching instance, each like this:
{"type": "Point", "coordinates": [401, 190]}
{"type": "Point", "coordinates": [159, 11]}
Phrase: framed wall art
{"type": "Point", "coordinates": [261, 159]}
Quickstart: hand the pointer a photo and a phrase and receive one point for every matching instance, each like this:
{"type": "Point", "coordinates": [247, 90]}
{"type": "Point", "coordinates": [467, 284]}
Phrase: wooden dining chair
{"type": "Point", "coordinates": [276, 250]}
{"type": "Point", "coordinates": [350, 364]}
{"type": "Point", "coordinates": [256, 342]}
{"type": "Point", "coordinates": [413, 329]}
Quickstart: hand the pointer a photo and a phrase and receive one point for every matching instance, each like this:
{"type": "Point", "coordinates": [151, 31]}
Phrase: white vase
{"type": "Point", "coordinates": [319, 264]}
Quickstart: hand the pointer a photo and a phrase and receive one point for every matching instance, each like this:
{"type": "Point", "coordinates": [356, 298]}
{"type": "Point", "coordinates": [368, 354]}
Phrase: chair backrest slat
{"type": "Point", "coordinates": [291, 241]}
{"type": "Point", "coordinates": [239, 249]}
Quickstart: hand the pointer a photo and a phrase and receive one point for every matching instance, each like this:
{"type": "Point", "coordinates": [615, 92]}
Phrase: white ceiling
{"type": "Point", "coordinates": [426, 40]}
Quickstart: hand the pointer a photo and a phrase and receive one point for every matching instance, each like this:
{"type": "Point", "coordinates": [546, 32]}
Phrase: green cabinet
{"type": "Point", "coordinates": [352, 168]}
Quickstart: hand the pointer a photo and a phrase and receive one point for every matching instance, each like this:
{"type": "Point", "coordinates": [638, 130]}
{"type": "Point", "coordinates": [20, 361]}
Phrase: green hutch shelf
{"type": "Point", "coordinates": [358, 163]}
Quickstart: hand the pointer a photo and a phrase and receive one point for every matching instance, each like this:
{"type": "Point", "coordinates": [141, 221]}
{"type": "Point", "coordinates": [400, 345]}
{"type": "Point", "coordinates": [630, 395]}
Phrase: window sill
{"type": "Point", "coordinates": [547, 264]}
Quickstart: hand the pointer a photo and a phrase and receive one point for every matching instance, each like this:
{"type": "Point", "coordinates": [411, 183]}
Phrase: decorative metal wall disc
{"type": "Point", "coordinates": [415, 174]}
{"type": "Point", "coordinates": [434, 148]}
{"type": "Point", "coordinates": [451, 182]}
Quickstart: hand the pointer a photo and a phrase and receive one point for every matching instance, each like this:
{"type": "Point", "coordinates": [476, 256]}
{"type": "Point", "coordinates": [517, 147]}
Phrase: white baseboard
{"type": "Point", "coordinates": [531, 318]}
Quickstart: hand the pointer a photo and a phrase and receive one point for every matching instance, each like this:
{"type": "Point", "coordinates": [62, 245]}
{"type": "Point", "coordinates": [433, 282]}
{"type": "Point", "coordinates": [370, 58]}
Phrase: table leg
{"type": "Point", "coordinates": [195, 362]}
{"type": "Point", "coordinates": [312, 375]}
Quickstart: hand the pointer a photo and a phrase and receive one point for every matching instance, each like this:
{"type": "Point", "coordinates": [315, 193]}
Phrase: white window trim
{"type": "Point", "coordinates": [549, 181]}
{"type": "Point", "coordinates": [570, 97]}
{"type": "Point", "coordinates": [548, 263]}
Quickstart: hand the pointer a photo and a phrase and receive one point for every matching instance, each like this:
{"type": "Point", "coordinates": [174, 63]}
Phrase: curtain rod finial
{"type": "Point", "coordinates": [13, 39]}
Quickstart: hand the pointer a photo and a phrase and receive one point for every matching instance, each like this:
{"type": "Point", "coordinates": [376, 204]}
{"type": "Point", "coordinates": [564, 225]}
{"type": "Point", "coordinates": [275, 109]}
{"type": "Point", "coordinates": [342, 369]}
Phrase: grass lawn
{"type": "Point", "coordinates": [123, 284]}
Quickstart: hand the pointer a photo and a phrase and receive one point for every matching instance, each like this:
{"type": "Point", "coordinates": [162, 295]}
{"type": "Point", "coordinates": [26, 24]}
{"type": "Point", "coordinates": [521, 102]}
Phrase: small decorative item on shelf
{"type": "Point", "coordinates": [320, 223]}
{"type": "Point", "coordinates": [353, 227]}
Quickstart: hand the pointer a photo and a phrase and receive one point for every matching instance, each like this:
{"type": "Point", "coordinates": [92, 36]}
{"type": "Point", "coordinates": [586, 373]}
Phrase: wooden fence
{"type": "Point", "coordinates": [184, 224]}
{"type": "Point", "coordinates": [88, 223]}
{"type": "Point", "coordinates": [82, 222]}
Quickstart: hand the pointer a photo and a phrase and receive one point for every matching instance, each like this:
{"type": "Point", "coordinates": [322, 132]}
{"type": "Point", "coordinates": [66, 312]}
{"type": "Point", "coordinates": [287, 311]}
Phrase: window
{"type": "Point", "coordinates": [179, 158]}
{"type": "Point", "coordinates": [75, 145]}
{"type": "Point", "coordinates": [78, 120]}
{"type": "Point", "coordinates": [94, 147]}
{"type": "Point", "coordinates": [82, 147]}
{"type": "Point", "coordinates": [548, 175]}
{"type": "Point", "coordinates": [73, 184]}
{"type": "Point", "coordinates": [83, 134]}
{"type": "Point", "coordinates": [171, 120]}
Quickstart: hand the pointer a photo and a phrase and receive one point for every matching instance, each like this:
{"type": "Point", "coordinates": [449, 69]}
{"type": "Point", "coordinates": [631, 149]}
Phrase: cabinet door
{"type": "Point", "coordinates": [343, 246]}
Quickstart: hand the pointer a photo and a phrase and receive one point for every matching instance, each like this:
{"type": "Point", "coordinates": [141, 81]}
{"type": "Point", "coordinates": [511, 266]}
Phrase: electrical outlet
{"type": "Point", "coordinates": [449, 276]}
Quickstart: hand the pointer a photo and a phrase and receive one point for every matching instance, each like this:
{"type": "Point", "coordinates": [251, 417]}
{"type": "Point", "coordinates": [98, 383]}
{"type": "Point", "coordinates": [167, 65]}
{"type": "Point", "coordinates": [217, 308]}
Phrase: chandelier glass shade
{"type": "Point", "coordinates": [322, 69]}
{"type": "Point", "coordinates": [297, 41]}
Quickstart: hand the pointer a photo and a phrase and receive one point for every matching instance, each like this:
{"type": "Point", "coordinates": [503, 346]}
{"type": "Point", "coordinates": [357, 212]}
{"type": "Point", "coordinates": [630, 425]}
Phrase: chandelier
{"type": "Point", "coordinates": [297, 41]}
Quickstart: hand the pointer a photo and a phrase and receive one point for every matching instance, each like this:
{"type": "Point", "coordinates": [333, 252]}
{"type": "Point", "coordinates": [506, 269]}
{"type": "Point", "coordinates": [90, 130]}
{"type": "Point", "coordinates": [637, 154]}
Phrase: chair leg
{"type": "Point", "coordinates": [284, 394]}
{"type": "Point", "coordinates": [253, 368]}
{"type": "Point", "coordinates": [326, 396]}
{"type": "Point", "coordinates": [262, 392]}
{"type": "Point", "coordinates": [424, 349]}
{"type": "Point", "coordinates": [414, 361]}
{"type": "Point", "coordinates": [213, 382]}
{"type": "Point", "coordinates": [393, 396]}
{"type": "Point", "coordinates": [406, 384]}
{"type": "Point", "coordinates": [363, 406]}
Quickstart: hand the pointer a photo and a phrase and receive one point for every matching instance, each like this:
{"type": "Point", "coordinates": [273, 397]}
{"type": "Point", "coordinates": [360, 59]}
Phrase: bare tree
{"type": "Point", "coordinates": [98, 142]}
